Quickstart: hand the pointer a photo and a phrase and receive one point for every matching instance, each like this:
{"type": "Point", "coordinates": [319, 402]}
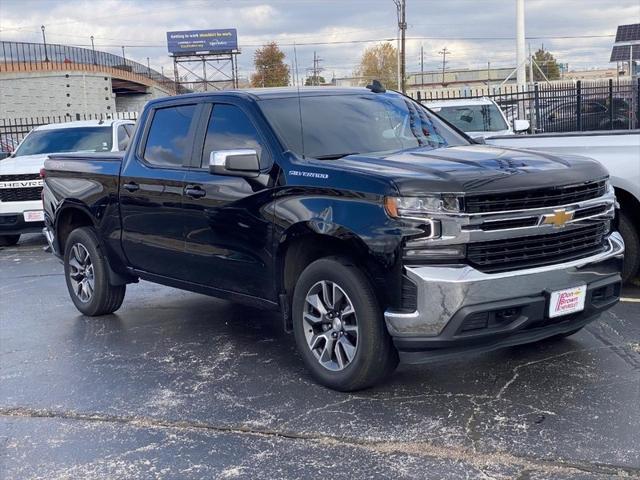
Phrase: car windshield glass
{"type": "Point", "coordinates": [80, 139]}
{"type": "Point", "coordinates": [473, 118]}
{"type": "Point", "coordinates": [337, 125]}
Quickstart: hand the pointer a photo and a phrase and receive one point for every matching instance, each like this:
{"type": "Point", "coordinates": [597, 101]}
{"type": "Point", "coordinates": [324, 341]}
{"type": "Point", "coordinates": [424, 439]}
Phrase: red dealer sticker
{"type": "Point", "coordinates": [564, 302]}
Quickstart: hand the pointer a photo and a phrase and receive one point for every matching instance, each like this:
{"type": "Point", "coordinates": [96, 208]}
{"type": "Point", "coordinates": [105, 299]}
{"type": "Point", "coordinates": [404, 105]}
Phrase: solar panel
{"type": "Point", "coordinates": [628, 33]}
{"type": "Point", "coordinates": [620, 53]}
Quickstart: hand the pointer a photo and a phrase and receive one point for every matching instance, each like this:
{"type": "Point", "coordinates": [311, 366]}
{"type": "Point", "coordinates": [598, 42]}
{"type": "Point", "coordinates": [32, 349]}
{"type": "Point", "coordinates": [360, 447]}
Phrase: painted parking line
{"type": "Point", "coordinates": [630, 300]}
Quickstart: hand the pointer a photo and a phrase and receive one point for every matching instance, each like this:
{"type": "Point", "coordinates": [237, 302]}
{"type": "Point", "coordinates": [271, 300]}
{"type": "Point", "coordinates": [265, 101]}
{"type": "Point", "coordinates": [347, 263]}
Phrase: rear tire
{"type": "Point", "coordinates": [9, 240]}
{"type": "Point", "coordinates": [87, 275]}
{"type": "Point", "coordinates": [631, 247]}
{"type": "Point", "coordinates": [344, 342]}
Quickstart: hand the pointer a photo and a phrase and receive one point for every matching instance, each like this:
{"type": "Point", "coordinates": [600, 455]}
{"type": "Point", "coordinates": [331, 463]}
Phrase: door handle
{"type": "Point", "coordinates": [131, 187]}
{"type": "Point", "coordinates": [194, 192]}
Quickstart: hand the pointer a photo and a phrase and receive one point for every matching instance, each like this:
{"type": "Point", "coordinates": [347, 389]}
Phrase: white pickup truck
{"type": "Point", "coordinates": [619, 152]}
{"type": "Point", "coordinates": [20, 183]}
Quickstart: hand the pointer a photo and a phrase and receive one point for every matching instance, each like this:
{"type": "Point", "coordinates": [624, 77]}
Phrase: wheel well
{"type": "Point", "coordinates": [630, 205]}
{"type": "Point", "coordinates": [298, 253]}
{"type": "Point", "coordinates": [69, 220]}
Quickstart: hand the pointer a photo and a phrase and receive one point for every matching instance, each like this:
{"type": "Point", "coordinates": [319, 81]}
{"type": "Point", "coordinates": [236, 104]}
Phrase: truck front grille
{"type": "Point", "coordinates": [19, 194]}
{"type": "Point", "coordinates": [538, 250]}
{"type": "Point", "coordinates": [539, 198]}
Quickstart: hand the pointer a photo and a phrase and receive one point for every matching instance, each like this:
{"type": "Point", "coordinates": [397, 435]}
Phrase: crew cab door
{"type": "Point", "coordinates": [151, 190]}
{"type": "Point", "coordinates": [228, 228]}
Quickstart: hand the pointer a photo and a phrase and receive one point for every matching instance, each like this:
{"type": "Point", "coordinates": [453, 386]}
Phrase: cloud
{"type": "Point", "coordinates": [471, 29]}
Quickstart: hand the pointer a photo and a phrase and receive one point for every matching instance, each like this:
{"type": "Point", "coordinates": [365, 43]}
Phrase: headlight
{"type": "Point", "coordinates": [421, 207]}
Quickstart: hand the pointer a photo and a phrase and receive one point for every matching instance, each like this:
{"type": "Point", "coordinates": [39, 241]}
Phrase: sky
{"type": "Point", "coordinates": [577, 32]}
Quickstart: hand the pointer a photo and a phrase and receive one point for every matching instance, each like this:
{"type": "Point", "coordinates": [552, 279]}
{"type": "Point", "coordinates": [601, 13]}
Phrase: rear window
{"type": "Point", "coordinates": [473, 118]}
{"type": "Point", "coordinates": [65, 140]}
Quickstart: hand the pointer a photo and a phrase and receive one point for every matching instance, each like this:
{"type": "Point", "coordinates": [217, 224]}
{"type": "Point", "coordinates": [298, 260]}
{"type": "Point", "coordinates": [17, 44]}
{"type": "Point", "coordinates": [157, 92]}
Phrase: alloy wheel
{"type": "Point", "coordinates": [330, 325]}
{"type": "Point", "coordinates": [81, 273]}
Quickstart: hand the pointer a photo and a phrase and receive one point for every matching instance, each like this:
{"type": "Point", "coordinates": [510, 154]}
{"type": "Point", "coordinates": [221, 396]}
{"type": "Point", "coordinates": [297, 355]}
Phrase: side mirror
{"type": "Point", "coordinates": [521, 125]}
{"type": "Point", "coordinates": [236, 163]}
{"type": "Point", "coordinates": [479, 140]}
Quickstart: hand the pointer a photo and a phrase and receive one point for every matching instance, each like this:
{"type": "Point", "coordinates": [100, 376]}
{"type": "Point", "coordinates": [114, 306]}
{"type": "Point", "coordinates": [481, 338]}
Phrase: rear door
{"type": "Point", "coordinates": [228, 228]}
{"type": "Point", "coordinates": [151, 190]}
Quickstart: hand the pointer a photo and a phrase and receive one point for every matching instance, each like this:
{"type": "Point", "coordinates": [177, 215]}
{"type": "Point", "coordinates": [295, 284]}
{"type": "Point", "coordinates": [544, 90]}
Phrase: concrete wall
{"type": "Point", "coordinates": [37, 94]}
{"type": "Point", "coordinates": [135, 102]}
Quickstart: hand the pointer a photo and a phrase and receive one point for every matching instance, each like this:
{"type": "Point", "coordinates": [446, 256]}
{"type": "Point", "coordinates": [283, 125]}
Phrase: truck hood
{"type": "Point", "coordinates": [472, 169]}
{"type": "Point", "coordinates": [22, 165]}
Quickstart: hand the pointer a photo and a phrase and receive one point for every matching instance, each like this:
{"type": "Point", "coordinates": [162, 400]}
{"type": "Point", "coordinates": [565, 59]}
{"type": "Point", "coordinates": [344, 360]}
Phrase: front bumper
{"type": "Point", "coordinates": [14, 224]}
{"type": "Point", "coordinates": [461, 309]}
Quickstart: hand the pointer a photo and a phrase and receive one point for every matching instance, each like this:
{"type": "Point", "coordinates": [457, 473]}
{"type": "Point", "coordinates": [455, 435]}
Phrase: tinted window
{"type": "Point", "coordinates": [168, 140]}
{"type": "Point", "coordinates": [229, 129]}
{"type": "Point", "coordinates": [334, 125]}
{"type": "Point", "coordinates": [80, 139]}
{"type": "Point", "coordinates": [123, 138]}
{"type": "Point", "coordinates": [474, 118]}
{"type": "Point", "coordinates": [593, 107]}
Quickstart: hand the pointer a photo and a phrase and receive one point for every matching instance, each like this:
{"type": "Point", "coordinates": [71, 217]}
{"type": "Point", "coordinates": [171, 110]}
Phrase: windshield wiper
{"type": "Point", "coordinates": [335, 156]}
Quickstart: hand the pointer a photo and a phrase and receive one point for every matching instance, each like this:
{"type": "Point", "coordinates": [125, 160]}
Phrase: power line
{"type": "Point", "coordinates": [344, 42]}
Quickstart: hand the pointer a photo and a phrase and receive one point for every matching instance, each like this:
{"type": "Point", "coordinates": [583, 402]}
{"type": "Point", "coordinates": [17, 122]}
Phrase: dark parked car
{"type": "Point", "coordinates": [595, 114]}
{"type": "Point", "coordinates": [376, 230]}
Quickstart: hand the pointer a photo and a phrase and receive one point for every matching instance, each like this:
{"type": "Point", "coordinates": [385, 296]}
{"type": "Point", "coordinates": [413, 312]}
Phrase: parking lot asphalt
{"type": "Point", "coordinates": [179, 385]}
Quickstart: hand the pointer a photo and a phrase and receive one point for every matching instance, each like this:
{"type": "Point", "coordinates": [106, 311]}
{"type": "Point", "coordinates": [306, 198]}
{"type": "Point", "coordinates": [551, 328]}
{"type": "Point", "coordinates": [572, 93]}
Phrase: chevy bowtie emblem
{"type": "Point", "coordinates": [558, 218]}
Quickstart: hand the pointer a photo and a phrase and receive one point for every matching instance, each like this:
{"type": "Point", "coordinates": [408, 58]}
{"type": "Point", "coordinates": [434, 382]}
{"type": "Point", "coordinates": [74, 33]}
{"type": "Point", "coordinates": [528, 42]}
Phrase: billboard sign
{"type": "Point", "coordinates": [196, 41]}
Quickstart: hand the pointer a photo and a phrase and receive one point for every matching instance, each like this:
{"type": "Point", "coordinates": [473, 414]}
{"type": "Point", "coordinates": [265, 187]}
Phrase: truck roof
{"type": "Point", "coordinates": [458, 102]}
{"type": "Point", "coordinates": [83, 123]}
{"type": "Point", "coordinates": [272, 92]}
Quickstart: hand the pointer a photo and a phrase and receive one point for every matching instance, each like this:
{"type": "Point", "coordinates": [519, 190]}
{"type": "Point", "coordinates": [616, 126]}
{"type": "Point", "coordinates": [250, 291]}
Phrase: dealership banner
{"type": "Point", "coordinates": [192, 41]}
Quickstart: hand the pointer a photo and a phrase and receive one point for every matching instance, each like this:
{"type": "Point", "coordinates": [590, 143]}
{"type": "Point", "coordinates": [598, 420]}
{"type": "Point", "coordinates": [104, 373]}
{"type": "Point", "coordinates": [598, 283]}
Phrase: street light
{"type": "Point", "coordinates": [124, 58]}
{"type": "Point", "coordinates": [44, 40]}
{"type": "Point", "coordinates": [93, 49]}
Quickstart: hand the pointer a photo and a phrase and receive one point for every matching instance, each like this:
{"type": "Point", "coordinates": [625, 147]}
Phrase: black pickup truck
{"type": "Point", "coordinates": [377, 230]}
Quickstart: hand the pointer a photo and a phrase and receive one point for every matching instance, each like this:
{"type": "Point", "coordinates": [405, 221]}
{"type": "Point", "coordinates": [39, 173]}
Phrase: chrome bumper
{"type": "Point", "coordinates": [442, 291]}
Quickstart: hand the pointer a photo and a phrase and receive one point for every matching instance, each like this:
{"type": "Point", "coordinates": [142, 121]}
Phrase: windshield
{"type": "Point", "coordinates": [337, 125]}
{"type": "Point", "coordinates": [80, 139]}
{"type": "Point", "coordinates": [473, 118]}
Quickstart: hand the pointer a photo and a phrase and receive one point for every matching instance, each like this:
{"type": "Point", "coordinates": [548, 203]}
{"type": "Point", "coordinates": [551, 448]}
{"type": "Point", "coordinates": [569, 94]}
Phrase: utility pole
{"type": "Point", "coordinates": [444, 53]}
{"type": "Point", "coordinates": [315, 70]}
{"type": "Point", "coordinates": [489, 78]}
{"type": "Point", "coordinates": [521, 77]}
{"type": "Point", "coordinates": [93, 49]}
{"type": "Point", "coordinates": [531, 66]}
{"type": "Point", "coordinates": [44, 40]}
{"type": "Point", "coordinates": [403, 30]}
{"type": "Point", "coordinates": [401, 54]}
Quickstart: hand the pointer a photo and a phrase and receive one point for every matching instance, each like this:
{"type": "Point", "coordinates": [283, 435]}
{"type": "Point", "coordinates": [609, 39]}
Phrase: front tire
{"type": "Point", "coordinates": [631, 246]}
{"type": "Point", "coordinates": [87, 275]}
{"type": "Point", "coordinates": [339, 328]}
{"type": "Point", "coordinates": [9, 240]}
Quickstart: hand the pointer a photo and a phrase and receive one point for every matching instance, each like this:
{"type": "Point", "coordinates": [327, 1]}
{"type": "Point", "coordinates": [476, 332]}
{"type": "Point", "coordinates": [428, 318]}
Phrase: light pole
{"type": "Point", "coordinates": [44, 41]}
{"type": "Point", "coordinates": [123, 57]}
{"type": "Point", "coordinates": [148, 67]}
{"type": "Point", "coordinates": [93, 49]}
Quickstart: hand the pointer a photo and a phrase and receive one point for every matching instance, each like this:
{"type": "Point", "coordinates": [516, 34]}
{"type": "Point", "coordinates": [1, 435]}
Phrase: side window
{"type": "Point", "coordinates": [123, 138]}
{"type": "Point", "coordinates": [229, 129]}
{"type": "Point", "coordinates": [593, 107]}
{"type": "Point", "coordinates": [168, 139]}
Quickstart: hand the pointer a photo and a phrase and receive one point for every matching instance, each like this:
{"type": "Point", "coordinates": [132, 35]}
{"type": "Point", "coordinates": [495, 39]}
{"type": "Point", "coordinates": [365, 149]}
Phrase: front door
{"type": "Point", "coordinates": [228, 230]}
{"type": "Point", "coordinates": [151, 191]}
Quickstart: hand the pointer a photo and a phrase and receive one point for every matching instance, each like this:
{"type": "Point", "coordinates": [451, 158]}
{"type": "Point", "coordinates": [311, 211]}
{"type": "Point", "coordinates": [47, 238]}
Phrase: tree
{"type": "Point", "coordinates": [547, 63]}
{"type": "Point", "coordinates": [271, 70]}
{"type": "Point", "coordinates": [379, 63]}
{"type": "Point", "coordinates": [315, 80]}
